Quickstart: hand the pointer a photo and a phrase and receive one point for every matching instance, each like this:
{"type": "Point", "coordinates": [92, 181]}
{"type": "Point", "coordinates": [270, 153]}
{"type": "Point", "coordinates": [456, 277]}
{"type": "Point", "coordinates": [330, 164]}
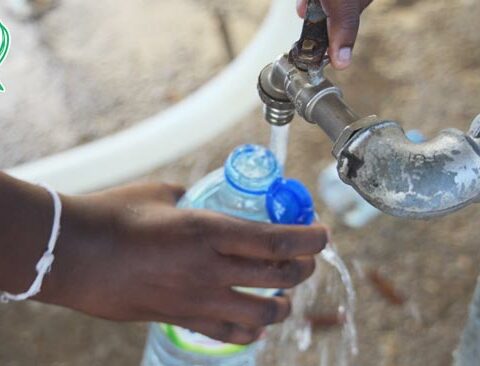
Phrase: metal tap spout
{"type": "Point", "coordinates": [285, 88]}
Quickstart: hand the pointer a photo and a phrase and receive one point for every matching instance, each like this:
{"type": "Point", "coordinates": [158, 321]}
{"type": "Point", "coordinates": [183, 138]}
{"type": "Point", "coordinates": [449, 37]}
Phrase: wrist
{"type": "Point", "coordinates": [26, 215]}
{"type": "Point", "coordinates": [44, 264]}
{"type": "Point", "coordinates": [72, 280]}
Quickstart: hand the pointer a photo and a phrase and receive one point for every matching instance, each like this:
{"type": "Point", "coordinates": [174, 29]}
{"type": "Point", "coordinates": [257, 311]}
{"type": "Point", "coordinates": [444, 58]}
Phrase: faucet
{"type": "Point", "coordinates": [400, 178]}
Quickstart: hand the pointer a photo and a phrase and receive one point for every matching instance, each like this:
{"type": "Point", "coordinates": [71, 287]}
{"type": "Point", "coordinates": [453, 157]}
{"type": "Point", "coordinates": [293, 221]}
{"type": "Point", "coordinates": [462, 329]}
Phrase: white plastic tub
{"type": "Point", "coordinates": [162, 138]}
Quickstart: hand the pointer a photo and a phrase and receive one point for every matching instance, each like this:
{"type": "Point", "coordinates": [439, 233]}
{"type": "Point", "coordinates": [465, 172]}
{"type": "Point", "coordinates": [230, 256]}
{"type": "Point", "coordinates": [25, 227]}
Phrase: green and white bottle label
{"type": "Point", "coordinates": [194, 342]}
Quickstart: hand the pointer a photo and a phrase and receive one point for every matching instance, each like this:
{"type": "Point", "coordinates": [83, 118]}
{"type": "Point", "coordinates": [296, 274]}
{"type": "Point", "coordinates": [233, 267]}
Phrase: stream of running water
{"type": "Point", "coordinates": [321, 330]}
{"type": "Point", "coordinates": [331, 256]}
{"type": "Point", "coordinates": [279, 142]}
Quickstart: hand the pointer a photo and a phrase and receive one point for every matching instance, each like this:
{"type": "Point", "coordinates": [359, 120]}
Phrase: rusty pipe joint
{"type": "Point", "coordinates": [411, 180]}
{"type": "Point", "coordinates": [285, 89]}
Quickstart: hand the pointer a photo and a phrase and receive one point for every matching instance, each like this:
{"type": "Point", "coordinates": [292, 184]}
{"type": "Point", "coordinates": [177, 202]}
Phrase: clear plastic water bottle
{"type": "Point", "coordinates": [249, 186]}
{"type": "Point", "coordinates": [344, 201]}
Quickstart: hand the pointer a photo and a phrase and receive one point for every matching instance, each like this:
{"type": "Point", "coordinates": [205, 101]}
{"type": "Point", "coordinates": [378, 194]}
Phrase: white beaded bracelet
{"type": "Point", "coordinates": [44, 265]}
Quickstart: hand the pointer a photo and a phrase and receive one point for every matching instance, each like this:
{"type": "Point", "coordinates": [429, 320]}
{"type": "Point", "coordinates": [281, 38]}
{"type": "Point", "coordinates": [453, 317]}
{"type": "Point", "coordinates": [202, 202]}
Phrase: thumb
{"type": "Point", "coordinates": [169, 194]}
{"type": "Point", "coordinates": [302, 8]}
{"type": "Point", "coordinates": [343, 24]}
{"type": "Point", "coordinates": [164, 193]}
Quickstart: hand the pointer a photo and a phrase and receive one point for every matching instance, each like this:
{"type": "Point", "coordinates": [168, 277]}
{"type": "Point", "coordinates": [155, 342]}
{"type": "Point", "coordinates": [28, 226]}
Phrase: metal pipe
{"type": "Point", "coordinates": [285, 88]}
{"type": "Point", "coordinates": [332, 114]}
{"type": "Point", "coordinates": [410, 180]}
{"type": "Point", "coordinates": [374, 156]}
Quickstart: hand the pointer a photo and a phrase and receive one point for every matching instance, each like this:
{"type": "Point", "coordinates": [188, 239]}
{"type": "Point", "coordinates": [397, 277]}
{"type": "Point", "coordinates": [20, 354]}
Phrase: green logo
{"type": "Point", "coordinates": [4, 46]}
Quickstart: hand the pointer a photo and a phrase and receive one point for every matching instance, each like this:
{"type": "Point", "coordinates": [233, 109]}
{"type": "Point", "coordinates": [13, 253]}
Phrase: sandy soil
{"type": "Point", "coordinates": [417, 62]}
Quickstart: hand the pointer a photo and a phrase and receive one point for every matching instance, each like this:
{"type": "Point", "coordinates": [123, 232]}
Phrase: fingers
{"type": "Point", "coordinates": [168, 193]}
{"type": "Point", "coordinates": [265, 274]}
{"type": "Point", "coordinates": [224, 331]}
{"type": "Point", "coordinates": [343, 24]}
{"type": "Point", "coordinates": [251, 310]}
{"type": "Point", "coordinates": [249, 313]}
{"type": "Point", "coordinates": [265, 241]}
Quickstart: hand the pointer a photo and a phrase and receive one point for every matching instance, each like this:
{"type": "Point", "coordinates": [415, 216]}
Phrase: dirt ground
{"type": "Point", "coordinates": [78, 73]}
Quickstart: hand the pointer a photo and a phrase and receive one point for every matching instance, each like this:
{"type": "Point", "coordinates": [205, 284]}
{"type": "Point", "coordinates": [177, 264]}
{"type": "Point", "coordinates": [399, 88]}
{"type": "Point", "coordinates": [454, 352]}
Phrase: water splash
{"type": "Point", "coordinates": [295, 342]}
{"type": "Point", "coordinates": [331, 256]}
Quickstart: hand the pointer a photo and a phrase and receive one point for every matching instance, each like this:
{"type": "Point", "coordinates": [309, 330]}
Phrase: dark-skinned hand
{"type": "Point", "coordinates": [129, 254]}
{"type": "Point", "coordinates": [343, 24]}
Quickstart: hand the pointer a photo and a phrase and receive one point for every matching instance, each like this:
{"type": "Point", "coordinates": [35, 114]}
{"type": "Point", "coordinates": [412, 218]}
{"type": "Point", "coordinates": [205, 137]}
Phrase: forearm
{"type": "Point", "coordinates": [129, 254]}
{"type": "Point", "coordinates": [26, 214]}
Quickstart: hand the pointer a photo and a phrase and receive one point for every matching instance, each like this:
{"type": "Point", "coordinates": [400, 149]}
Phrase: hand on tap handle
{"type": "Point", "coordinates": [343, 23]}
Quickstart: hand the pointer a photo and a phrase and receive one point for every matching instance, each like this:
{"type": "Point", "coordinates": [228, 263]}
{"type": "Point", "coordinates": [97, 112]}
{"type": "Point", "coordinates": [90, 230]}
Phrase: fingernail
{"type": "Point", "coordinates": [301, 7]}
{"type": "Point", "coordinates": [345, 55]}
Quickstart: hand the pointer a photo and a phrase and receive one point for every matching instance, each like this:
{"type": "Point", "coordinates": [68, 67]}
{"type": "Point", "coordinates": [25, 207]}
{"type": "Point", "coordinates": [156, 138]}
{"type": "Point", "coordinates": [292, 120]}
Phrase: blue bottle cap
{"type": "Point", "coordinates": [290, 203]}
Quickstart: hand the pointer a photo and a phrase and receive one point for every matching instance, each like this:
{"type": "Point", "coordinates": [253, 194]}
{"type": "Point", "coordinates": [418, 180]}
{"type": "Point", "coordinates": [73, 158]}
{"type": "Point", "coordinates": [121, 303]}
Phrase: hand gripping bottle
{"type": "Point", "coordinates": [250, 187]}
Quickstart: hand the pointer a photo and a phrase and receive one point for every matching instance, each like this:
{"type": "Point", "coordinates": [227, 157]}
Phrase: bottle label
{"type": "Point", "coordinates": [194, 342]}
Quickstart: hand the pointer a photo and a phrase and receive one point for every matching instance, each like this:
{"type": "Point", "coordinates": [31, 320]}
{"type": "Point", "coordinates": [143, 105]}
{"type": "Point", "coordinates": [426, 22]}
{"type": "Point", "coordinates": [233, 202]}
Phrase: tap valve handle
{"type": "Point", "coordinates": [309, 51]}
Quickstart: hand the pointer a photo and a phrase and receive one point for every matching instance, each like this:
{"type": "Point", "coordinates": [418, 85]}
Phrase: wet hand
{"type": "Point", "coordinates": [129, 255]}
{"type": "Point", "coordinates": [343, 24]}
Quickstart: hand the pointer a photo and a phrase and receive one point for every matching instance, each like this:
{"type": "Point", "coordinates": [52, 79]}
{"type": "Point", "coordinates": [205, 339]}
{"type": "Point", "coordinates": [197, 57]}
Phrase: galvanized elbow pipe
{"type": "Point", "coordinates": [410, 180]}
{"type": "Point", "coordinates": [374, 156]}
